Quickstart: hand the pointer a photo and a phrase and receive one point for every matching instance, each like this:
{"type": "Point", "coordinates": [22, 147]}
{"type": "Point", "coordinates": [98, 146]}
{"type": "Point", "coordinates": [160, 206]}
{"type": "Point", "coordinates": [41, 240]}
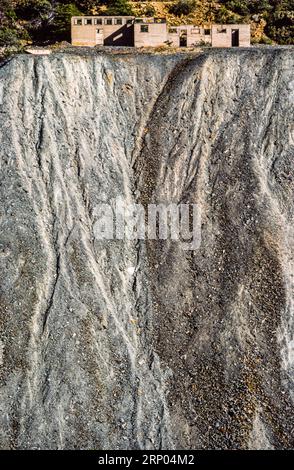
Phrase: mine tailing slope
{"type": "Point", "coordinates": [133, 344]}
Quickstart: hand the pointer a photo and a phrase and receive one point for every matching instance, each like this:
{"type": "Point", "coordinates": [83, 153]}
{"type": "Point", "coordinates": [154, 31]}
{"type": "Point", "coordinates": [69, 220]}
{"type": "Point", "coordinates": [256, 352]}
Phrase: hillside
{"type": "Point", "coordinates": [127, 344]}
{"type": "Point", "coordinates": [48, 21]}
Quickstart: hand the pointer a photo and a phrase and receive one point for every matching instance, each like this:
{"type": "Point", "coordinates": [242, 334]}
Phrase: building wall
{"type": "Point", "coordinates": [156, 35]}
{"type": "Point", "coordinates": [222, 35]}
{"type": "Point", "coordinates": [195, 35]}
{"type": "Point", "coordinates": [84, 35]}
{"type": "Point", "coordinates": [219, 35]}
{"type": "Point", "coordinates": [144, 32]}
{"type": "Point", "coordinates": [109, 35]}
{"type": "Point", "coordinates": [119, 35]}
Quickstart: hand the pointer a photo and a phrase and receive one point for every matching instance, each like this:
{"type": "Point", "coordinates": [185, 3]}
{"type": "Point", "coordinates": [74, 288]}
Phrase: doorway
{"type": "Point", "coordinates": [235, 37]}
{"type": "Point", "coordinates": [183, 38]}
{"type": "Point", "coordinates": [99, 37]}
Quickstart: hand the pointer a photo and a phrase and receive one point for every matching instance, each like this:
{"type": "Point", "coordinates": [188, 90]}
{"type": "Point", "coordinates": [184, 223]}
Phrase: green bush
{"type": "Point", "coordinates": [281, 34]}
{"type": "Point", "coordinates": [260, 6]}
{"type": "Point", "coordinates": [119, 7]}
{"type": "Point", "coordinates": [182, 7]}
{"type": "Point", "coordinates": [62, 20]}
{"type": "Point", "coordinates": [245, 7]}
{"type": "Point", "coordinates": [86, 6]}
{"type": "Point", "coordinates": [224, 16]}
{"type": "Point", "coordinates": [238, 6]}
{"type": "Point", "coordinates": [266, 40]}
{"type": "Point", "coordinates": [5, 5]}
{"type": "Point", "coordinates": [280, 27]}
{"type": "Point", "coordinates": [149, 10]}
{"type": "Point", "coordinates": [8, 37]}
{"type": "Point", "coordinates": [34, 9]}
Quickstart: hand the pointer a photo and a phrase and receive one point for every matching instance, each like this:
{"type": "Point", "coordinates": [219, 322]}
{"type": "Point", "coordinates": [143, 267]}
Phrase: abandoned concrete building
{"type": "Point", "coordinates": [153, 32]}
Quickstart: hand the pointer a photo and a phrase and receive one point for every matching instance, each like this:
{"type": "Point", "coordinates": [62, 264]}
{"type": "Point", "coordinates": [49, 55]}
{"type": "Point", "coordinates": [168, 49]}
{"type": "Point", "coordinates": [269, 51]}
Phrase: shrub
{"type": "Point", "coordinates": [265, 40]}
{"type": "Point", "coordinates": [280, 27]}
{"type": "Point", "coordinates": [245, 7]}
{"type": "Point", "coordinates": [281, 35]}
{"type": "Point", "coordinates": [260, 6]}
{"type": "Point", "coordinates": [5, 5]}
{"type": "Point", "coordinates": [8, 37]}
{"type": "Point", "coordinates": [224, 16]}
{"type": "Point", "coordinates": [86, 6]}
{"type": "Point", "coordinates": [238, 6]}
{"type": "Point", "coordinates": [32, 9]}
{"type": "Point", "coordinates": [61, 24]}
{"type": "Point", "coordinates": [182, 7]}
{"type": "Point", "coordinates": [149, 10]}
{"type": "Point", "coordinates": [119, 7]}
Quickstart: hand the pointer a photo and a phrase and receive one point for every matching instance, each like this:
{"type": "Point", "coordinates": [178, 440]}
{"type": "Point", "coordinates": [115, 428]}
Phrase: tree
{"type": "Point", "coordinates": [62, 20]}
{"type": "Point", "coordinates": [34, 9]}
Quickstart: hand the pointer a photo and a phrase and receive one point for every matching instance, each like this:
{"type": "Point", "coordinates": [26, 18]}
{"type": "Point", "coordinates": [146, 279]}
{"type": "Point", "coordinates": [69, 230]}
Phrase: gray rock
{"type": "Point", "coordinates": [129, 344]}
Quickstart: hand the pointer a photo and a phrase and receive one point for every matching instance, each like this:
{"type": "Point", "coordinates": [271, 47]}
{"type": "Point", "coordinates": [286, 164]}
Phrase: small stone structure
{"type": "Point", "coordinates": [154, 32]}
{"type": "Point", "coordinates": [38, 51]}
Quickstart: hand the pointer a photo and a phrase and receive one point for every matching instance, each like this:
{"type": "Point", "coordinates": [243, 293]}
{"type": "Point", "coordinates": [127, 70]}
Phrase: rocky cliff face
{"type": "Point", "coordinates": [131, 344]}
